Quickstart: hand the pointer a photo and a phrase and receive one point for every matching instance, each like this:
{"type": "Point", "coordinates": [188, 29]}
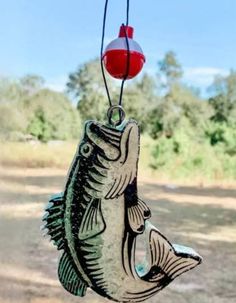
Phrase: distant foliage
{"type": "Point", "coordinates": [223, 101]}
{"type": "Point", "coordinates": [86, 85]}
{"type": "Point", "coordinates": [170, 70]}
{"type": "Point", "coordinates": [190, 135]}
{"type": "Point", "coordinates": [27, 109]}
{"type": "Point", "coordinates": [190, 154]}
{"type": "Point", "coordinates": [193, 136]}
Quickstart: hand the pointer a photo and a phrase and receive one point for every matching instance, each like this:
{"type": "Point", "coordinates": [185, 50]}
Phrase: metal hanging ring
{"type": "Point", "coordinates": [110, 114]}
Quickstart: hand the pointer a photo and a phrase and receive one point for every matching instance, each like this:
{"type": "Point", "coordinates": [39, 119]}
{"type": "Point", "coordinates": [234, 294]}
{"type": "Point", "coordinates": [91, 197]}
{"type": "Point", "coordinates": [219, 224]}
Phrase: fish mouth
{"type": "Point", "coordinates": [109, 134]}
{"type": "Point", "coordinates": [109, 139]}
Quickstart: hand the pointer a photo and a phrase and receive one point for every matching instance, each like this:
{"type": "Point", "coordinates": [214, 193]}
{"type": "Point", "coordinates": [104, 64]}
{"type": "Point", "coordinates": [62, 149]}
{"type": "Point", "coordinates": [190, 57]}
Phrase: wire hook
{"type": "Point", "coordinates": [110, 114]}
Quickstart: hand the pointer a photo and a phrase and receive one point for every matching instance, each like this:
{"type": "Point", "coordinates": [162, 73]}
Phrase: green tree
{"type": "Point", "coordinates": [31, 84]}
{"type": "Point", "coordinates": [223, 136]}
{"type": "Point", "coordinates": [40, 127]}
{"type": "Point", "coordinates": [51, 116]}
{"type": "Point", "coordinates": [223, 101]}
{"type": "Point", "coordinates": [169, 70]}
{"type": "Point", "coordinates": [139, 100]}
{"type": "Point", "coordinates": [178, 101]}
{"type": "Point", "coordinates": [13, 121]}
{"type": "Point", "coordinates": [27, 108]}
{"type": "Point", "coordinates": [10, 90]}
{"type": "Point", "coordinates": [86, 85]}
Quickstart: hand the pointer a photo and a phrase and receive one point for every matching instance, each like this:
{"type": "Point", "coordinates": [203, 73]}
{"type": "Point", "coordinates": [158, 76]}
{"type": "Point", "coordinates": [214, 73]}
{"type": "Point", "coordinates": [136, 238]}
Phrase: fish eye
{"type": "Point", "coordinates": [86, 149]}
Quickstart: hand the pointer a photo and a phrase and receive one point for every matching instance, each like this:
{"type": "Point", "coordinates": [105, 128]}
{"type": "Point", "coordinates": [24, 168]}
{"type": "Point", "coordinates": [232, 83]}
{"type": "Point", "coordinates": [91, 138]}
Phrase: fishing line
{"type": "Point", "coordinates": [127, 66]}
{"type": "Point", "coordinates": [101, 53]}
{"type": "Point", "coordinates": [128, 56]}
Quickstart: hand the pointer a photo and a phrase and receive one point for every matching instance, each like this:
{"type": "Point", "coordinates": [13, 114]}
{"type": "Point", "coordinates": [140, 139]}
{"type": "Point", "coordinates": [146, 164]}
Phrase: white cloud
{"type": "Point", "coordinates": [202, 76]}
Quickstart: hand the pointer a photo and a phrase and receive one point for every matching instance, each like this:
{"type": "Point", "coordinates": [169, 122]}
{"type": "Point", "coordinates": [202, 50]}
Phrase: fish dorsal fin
{"type": "Point", "coordinates": [93, 222]}
{"type": "Point", "coordinates": [137, 214]}
{"type": "Point", "coordinates": [54, 220]}
{"type": "Point", "coordinates": [69, 277]}
{"type": "Point", "coordinates": [169, 261]}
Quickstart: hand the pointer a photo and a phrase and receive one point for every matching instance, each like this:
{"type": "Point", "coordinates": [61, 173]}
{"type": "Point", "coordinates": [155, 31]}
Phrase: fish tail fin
{"type": "Point", "coordinates": [169, 261]}
{"type": "Point", "coordinates": [53, 218]}
{"type": "Point", "coordinates": [69, 276]}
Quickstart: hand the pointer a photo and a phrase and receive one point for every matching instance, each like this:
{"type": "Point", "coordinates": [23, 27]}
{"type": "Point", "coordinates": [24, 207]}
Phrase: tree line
{"type": "Point", "coordinates": [190, 133]}
{"type": "Point", "coordinates": [173, 114]}
{"type": "Point", "coordinates": [31, 111]}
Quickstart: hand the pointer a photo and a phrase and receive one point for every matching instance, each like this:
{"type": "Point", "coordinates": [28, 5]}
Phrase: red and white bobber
{"type": "Point", "coordinates": [116, 55]}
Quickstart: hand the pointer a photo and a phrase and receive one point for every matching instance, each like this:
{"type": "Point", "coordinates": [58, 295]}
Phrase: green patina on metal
{"type": "Point", "coordinates": [68, 225]}
{"type": "Point", "coordinates": [98, 217]}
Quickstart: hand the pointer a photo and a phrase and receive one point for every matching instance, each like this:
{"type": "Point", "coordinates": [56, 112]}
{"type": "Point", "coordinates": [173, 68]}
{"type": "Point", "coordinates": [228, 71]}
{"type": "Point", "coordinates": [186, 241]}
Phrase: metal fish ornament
{"type": "Point", "coordinates": [98, 217]}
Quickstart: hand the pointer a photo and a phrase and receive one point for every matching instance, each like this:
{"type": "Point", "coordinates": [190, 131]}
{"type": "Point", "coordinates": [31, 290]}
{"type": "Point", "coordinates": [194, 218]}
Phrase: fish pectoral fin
{"type": "Point", "coordinates": [137, 214]}
{"type": "Point", "coordinates": [54, 212]}
{"type": "Point", "coordinates": [69, 276]}
{"type": "Point", "coordinates": [169, 261]}
{"type": "Point", "coordinates": [125, 175]}
{"type": "Point", "coordinates": [93, 222]}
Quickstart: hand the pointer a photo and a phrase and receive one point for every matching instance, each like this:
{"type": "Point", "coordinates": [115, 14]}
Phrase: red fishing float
{"type": "Point", "coordinates": [124, 52]}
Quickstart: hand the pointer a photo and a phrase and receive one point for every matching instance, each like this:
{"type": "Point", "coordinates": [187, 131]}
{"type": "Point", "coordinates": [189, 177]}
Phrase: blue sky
{"type": "Point", "coordinates": [51, 38]}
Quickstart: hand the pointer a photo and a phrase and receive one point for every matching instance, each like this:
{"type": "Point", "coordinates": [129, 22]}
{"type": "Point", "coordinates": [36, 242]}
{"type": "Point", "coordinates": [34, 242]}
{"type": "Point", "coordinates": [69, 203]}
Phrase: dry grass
{"type": "Point", "coordinates": [20, 154]}
{"type": "Point", "coordinates": [53, 154]}
{"type": "Point", "coordinates": [56, 154]}
{"type": "Point", "coordinates": [60, 154]}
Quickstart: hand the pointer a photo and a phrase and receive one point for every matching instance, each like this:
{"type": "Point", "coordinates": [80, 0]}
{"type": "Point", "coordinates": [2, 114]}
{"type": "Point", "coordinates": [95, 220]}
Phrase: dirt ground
{"type": "Point", "coordinates": [201, 217]}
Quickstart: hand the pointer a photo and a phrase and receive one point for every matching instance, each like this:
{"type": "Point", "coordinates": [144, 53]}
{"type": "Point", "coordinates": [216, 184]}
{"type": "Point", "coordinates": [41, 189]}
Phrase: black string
{"type": "Point", "coordinates": [101, 53]}
{"type": "Point", "coordinates": [127, 68]}
{"type": "Point", "coordinates": [128, 54]}
{"type": "Point", "coordinates": [127, 13]}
